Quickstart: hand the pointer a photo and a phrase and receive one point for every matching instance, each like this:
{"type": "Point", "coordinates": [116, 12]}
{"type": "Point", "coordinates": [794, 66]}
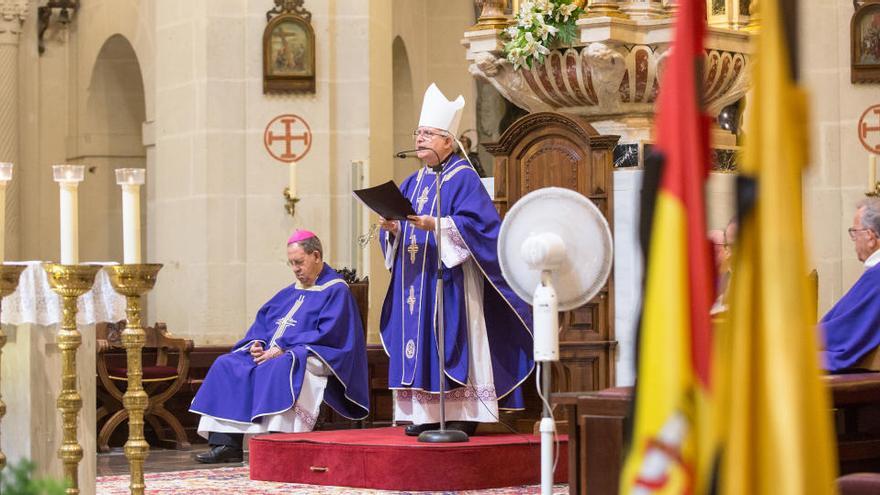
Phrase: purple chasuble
{"type": "Point", "coordinates": [407, 320]}
{"type": "Point", "coordinates": [322, 320]}
{"type": "Point", "coordinates": [852, 326]}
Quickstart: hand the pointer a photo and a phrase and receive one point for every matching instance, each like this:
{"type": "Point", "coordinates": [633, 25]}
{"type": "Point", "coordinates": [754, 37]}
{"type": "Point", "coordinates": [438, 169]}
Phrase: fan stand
{"type": "Point", "coordinates": [553, 233]}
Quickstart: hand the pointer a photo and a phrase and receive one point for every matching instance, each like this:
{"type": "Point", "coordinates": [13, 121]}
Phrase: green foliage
{"type": "Point", "coordinates": [540, 24]}
{"type": "Point", "coordinates": [19, 480]}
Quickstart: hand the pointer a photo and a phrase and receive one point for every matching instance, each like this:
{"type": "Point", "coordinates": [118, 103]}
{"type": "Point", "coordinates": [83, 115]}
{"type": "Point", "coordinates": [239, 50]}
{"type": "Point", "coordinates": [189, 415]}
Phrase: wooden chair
{"type": "Point", "coordinates": [161, 380]}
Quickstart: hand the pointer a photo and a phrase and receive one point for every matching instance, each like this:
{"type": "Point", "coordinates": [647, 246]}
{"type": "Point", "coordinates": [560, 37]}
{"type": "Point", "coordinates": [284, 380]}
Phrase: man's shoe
{"type": "Point", "coordinates": [469, 427]}
{"type": "Point", "coordinates": [220, 453]}
{"type": "Point", "coordinates": [415, 430]}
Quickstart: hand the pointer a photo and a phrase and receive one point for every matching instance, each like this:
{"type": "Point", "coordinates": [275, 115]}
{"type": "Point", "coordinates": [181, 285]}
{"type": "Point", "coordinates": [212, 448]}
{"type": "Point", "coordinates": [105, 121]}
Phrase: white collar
{"type": "Point", "coordinates": [873, 259]}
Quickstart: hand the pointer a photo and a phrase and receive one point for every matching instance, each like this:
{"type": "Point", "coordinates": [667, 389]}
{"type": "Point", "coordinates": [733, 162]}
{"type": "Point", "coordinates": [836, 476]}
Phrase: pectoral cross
{"type": "Point", "coordinates": [420, 202]}
{"type": "Point", "coordinates": [413, 248]}
{"type": "Point", "coordinates": [411, 300]}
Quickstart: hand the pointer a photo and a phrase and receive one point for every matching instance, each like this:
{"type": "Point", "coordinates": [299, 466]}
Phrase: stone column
{"type": "Point", "coordinates": [12, 15]}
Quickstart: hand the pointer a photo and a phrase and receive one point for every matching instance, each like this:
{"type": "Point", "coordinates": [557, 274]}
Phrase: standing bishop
{"type": "Point", "coordinates": [488, 339]}
{"type": "Point", "coordinates": [305, 346]}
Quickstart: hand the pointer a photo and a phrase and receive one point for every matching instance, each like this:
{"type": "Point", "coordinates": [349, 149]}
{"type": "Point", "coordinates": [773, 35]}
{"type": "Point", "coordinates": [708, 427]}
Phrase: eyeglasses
{"type": "Point", "coordinates": [427, 134]}
{"type": "Point", "coordinates": [852, 232]}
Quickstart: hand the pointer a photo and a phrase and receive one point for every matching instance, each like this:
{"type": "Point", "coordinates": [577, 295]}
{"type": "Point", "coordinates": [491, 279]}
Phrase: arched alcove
{"type": "Point", "coordinates": [109, 136]}
{"type": "Point", "coordinates": [405, 111]}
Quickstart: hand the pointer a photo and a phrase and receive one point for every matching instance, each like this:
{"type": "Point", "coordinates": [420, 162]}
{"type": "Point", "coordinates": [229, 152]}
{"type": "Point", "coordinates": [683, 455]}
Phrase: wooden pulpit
{"type": "Point", "coordinates": [551, 149]}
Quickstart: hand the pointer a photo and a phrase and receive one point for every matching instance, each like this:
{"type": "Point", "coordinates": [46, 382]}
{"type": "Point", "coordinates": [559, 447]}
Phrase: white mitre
{"type": "Point", "coordinates": [439, 112]}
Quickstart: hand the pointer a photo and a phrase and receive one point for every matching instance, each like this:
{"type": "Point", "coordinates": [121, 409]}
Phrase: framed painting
{"type": "Point", "coordinates": [288, 55]}
{"type": "Point", "coordinates": [865, 39]}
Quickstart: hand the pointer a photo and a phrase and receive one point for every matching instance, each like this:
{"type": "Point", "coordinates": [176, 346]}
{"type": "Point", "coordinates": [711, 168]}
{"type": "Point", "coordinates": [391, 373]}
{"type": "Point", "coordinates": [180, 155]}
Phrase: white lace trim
{"type": "Point", "coordinates": [468, 393]}
{"type": "Point", "coordinates": [454, 249]}
{"type": "Point", "coordinates": [34, 301]}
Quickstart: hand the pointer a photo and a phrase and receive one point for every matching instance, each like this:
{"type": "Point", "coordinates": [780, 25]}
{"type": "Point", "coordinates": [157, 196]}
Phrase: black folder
{"type": "Point", "coordinates": [386, 200]}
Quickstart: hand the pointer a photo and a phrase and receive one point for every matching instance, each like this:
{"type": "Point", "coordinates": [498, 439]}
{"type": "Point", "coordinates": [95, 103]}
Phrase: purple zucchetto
{"type": "Point", "coordinates": [300, 235]}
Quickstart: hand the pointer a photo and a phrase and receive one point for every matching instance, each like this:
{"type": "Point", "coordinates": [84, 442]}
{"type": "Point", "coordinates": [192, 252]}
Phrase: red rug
{"type": "Point", "coordinates": [386, 459]}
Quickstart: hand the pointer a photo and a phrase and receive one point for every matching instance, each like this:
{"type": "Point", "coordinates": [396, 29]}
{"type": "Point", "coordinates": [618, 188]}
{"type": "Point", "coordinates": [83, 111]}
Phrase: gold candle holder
{"type": "Point", "coordinates": [70, 282]}
{"type": "Point", "coordinates": [492, 16]}
{"type": "Point", "coordinates": [8, 282]}
{"type": "Point", "coordinates": [289, 202]}
{"type": "Point", "coordinates": [133, 281]}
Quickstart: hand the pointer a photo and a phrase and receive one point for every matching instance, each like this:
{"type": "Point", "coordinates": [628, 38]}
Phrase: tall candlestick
{"type": "Point", "coordinates": [291, 184]}
{"type": "Point", "coordinates": [131, 180]}
{"type": "Point", "coordinates": [5, 177]}
{"type": "Point", "coordinates": [68, 178]}
{"type": "Point", "coordinates": [872, 173]}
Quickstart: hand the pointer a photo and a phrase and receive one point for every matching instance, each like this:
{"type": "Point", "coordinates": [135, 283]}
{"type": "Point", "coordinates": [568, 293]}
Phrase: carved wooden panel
{"type": "Point", "coordinates": [550, 149]}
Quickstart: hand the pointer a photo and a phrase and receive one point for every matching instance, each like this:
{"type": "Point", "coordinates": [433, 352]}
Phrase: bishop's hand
{"type": "Point", "coordinates": [272, 353]}
{"type": "Point", "coordinates": [422, 222]}
{"type": "Point", "coordinates": [392, 226]}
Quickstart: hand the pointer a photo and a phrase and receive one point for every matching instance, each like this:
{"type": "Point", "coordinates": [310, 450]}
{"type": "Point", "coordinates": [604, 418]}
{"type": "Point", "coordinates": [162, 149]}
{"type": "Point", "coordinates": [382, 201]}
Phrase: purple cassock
{"type": "Point", "coordinates": [407, 320]}
{"type": "Point", "coordinates": [321, 320]}
{"type": "Point", "coordinates": [852, 326]}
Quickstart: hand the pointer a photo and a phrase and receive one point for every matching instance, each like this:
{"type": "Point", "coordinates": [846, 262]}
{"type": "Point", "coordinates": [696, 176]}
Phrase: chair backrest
{"type": "Point", "coordinates": [361, 292]}
{"type": "Point", "coordinates": [157, 340]}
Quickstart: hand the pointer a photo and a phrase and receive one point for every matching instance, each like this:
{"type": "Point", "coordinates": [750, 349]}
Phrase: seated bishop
{"type": "Point", "coordinates": [852, 326]}
{"type": "Point", "coordinates": [306, 346]}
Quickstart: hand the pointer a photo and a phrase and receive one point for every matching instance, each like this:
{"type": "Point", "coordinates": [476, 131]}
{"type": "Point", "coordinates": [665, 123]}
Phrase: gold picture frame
{"type": "Point", "coordinates": [288, 55]}
{"type": "Point", "coordinates": [865, 40]}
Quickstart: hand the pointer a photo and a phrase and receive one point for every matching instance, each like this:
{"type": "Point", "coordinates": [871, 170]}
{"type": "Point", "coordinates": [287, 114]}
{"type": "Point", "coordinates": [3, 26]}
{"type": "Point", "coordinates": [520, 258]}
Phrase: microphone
{"type": "Point", "coordinates": [408, 153]}
{"type": "Point", "coordinates": [405, 153]}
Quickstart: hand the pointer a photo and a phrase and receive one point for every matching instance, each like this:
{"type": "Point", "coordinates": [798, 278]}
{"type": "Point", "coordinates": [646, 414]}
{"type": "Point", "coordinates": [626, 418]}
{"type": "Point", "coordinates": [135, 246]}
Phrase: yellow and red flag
{"type": "Point", "coordinates": [774, 414]}
{"type": "Point", "coordinates": [670, 451]}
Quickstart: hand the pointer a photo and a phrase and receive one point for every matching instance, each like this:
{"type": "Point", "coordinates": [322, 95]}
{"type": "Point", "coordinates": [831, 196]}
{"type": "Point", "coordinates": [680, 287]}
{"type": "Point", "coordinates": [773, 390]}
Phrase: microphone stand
{"type": "Point", "coordinates": [442, 435]}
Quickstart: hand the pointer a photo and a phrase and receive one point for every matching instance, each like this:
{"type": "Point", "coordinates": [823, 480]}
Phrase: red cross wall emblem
{"type": "Point", "coordinates": [287, 138]}
{"type": "Point", "coordinates": [869, 129]}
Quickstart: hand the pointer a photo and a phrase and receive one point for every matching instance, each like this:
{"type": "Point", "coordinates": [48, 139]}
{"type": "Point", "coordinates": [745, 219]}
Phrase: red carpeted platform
{"type": "Point", "coordinates": [386, 459]}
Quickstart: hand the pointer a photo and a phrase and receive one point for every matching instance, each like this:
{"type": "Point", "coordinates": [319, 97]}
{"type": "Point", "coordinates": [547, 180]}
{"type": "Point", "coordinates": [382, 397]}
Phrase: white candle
{"type": "Point", "coordinates": [291, 185]}
{"type": "Point", "coordinates": [5, 177]}
{"type": "Point", "coordinates": [872, 173]}
{"type": "Point", "coordinates": [68, 178]}
{"type": "Point", "coordinates": [2, 221]}
{"type": "Point", "coordinates": [131, 179]}
{"type": "Point", "coordinates": [69, 224]}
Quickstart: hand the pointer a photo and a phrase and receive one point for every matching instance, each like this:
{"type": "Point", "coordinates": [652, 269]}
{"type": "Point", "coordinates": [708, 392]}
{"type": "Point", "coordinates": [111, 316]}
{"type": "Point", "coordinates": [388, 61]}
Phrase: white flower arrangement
{"type": "Point", "coordinates": [539, 24]}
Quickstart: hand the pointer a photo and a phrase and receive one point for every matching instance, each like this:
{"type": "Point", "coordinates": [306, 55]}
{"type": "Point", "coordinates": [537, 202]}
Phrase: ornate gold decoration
{"type": "Point", "coordinates": [8, 282]}
{"type": "Point", "coordinates": [603, 8]}
{"type": "Point", "coordinates": [133, 281]}
{"type": "Point", "coordinates": [70, 282]}
{"type": "Point", "coordinates": [491, 16]}
{"type": "Point", "coordinates": [290, 202]}
{"type": "Point", "coordinates": [413, 248]}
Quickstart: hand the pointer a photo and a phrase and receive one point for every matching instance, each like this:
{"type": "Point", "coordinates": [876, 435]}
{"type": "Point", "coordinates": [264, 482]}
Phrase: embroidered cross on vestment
{"type": "Point", "coordinates": [420, 202]}
{"type": "Point", "coordinates": [411, 300]}
{"type": "Point", "coordinates": [413, 248]}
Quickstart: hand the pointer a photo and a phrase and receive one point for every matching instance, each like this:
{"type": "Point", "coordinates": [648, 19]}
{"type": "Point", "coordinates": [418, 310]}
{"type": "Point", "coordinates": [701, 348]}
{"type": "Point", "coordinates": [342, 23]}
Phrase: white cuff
{"type": "Point", "coordinates": [391, 248]}
{"type": "Point", "coordinates": [453, 249]}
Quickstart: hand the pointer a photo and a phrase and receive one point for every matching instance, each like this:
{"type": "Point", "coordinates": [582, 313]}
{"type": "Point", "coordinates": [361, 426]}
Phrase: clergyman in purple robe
{"type": "Point", "coordinates": [852, 326]}
{"type": "Point", "coordinates": [487, 328]}
{"type": "Point", "coordinates": [306, 346]}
